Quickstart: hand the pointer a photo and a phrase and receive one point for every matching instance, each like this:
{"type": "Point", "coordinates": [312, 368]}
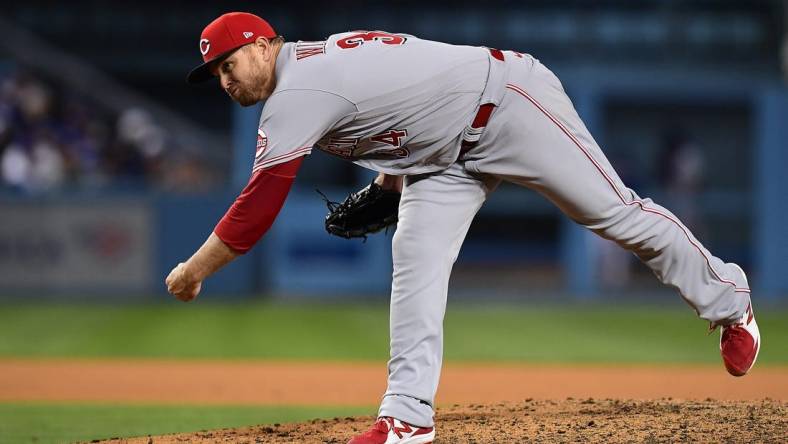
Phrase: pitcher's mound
{"type": "Point", "coordinates": [548, 421]}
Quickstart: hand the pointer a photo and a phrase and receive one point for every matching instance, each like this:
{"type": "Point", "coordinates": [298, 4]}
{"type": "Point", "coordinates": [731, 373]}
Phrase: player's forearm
{"type": "Point", "coordinates": [213, 255]}
{"type": "Point", "coordinates": [389, 182]}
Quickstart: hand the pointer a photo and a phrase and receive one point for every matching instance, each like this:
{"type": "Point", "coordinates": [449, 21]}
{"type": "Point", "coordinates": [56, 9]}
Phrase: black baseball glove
{"type": "Point", "coordinates": [364, 212]}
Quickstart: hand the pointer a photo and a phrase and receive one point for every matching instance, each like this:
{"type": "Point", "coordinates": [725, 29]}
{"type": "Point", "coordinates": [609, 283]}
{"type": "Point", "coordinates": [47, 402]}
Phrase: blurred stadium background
{"type": "Point", "coordinates": [113, 169]}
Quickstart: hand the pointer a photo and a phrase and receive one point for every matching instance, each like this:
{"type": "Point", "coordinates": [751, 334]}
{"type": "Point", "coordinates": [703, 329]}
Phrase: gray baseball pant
{"type": "Point", "coordinates": [535, 139]}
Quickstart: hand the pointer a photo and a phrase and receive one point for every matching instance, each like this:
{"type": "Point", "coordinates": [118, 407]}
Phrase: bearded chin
{"type": "Point", "coordinates": [247, 100]}
{"type": "Point", "coordinates": [248, 97]}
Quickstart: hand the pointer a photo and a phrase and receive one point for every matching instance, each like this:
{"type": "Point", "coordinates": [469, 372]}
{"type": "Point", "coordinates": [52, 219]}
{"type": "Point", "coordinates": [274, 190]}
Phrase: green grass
{"type": "Point", "coordinates": [257, 330]}
{"type": "Point", "coordinates": [53, 423]}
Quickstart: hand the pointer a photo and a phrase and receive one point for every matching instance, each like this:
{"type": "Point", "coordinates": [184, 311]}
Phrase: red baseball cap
{"type": "Point", "coordinates": [228, 32]}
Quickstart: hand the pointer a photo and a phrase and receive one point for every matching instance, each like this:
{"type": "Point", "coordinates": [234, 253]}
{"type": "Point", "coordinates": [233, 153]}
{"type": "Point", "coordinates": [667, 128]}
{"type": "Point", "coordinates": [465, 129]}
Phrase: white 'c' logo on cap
{"type": "Point", "coordinates": [205, 45]}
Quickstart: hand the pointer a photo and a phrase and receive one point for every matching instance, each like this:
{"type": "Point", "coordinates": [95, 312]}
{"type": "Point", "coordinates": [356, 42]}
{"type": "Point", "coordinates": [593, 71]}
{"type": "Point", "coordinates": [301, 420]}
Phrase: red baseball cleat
{"type": "Point", "coordinates": [740, 342]}
{"type": "Point", "coordinates": [388, 430]}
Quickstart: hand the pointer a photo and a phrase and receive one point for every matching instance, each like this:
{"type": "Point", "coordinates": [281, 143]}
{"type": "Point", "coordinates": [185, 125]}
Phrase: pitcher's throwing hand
{"type": "Point", "coordinates": [181, 285]}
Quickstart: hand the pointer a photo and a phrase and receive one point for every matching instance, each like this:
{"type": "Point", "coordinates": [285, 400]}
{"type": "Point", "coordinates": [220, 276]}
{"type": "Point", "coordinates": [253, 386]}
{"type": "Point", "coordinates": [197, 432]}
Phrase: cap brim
{"type": "Point", "coordinates": [200, 74]}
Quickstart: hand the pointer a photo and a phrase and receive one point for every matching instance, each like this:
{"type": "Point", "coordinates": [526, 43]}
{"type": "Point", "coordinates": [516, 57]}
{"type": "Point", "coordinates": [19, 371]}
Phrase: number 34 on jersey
{"type": "Point", "coordinates": [386, 145]}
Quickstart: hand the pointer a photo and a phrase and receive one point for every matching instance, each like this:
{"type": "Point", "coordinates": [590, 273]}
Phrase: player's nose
{"type": "Point", "coordinates": [224, 81]}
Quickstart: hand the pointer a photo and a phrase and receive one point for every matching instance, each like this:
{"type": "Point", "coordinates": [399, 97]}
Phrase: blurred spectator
{"type": "Point", "coordinates": [52, 140]}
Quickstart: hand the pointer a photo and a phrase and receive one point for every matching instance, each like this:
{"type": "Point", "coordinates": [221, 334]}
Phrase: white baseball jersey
{"type": "Point", "coordinates": [393, 103]}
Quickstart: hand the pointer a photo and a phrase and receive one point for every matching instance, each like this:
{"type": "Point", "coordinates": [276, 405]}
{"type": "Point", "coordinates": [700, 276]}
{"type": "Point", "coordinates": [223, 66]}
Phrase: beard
{"type": "Point", "coordinates": [253, 90]}
{"type": "Point", "coordinates": [244, 97]}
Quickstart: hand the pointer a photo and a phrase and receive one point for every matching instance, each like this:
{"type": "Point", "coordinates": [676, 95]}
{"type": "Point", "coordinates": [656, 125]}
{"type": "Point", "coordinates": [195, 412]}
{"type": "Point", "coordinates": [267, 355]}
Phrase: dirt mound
{"type": "Point", "coordinates": [548, 421]}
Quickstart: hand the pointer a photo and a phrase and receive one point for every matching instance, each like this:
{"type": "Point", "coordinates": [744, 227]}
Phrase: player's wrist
{"type": "Point", "coordinates": [389, 182]}
{"type": "Point", "coordinates": [193, 272]}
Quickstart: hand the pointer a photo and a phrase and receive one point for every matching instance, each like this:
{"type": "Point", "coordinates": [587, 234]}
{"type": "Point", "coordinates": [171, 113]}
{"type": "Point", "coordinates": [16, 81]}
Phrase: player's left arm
{"type": "Point", "coordinates": [247, 220]}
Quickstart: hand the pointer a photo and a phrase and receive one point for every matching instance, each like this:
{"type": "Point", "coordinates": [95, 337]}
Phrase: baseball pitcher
{"type": "Point", "coordinates": [443, 125]}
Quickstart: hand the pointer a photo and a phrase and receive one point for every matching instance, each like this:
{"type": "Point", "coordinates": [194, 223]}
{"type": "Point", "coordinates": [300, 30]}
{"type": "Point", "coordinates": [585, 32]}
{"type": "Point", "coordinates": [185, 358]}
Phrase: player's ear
{"type": "Point", "coordinates": [265, 47]}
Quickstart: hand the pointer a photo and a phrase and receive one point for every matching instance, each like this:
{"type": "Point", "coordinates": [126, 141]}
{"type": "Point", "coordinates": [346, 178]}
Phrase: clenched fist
{"type": "Point", "coordinates": [182, 285]}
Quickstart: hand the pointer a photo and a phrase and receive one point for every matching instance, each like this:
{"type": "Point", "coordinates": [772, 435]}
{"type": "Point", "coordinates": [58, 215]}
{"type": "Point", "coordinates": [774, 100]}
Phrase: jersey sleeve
{"type": "Point", "coordinates": [293, 121]}
{"type": "Point", "coordinates": [256, 208]}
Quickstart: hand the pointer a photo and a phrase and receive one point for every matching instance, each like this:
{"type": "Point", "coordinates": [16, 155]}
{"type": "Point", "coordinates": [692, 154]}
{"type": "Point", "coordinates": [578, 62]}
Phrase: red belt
{"type": "Point", "coordinates": [472, 133]}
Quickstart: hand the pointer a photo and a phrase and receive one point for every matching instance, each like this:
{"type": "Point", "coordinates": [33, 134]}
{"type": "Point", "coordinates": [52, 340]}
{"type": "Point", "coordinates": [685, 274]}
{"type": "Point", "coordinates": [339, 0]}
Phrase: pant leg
{"type": "Point", "coordinates": [434, 215]}
{"type": "Point", "coordinates": [536, 139]}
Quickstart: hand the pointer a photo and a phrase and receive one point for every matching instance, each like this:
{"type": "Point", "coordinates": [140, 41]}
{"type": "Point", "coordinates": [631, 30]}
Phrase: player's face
{"type": "Point", "coordinates": [244, 75]}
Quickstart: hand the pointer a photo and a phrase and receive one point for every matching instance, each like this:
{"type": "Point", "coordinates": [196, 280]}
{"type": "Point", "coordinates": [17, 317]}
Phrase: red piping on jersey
{"type": "Point", "coordinates": [256, 208]}
{"type": "Point", "coordinates": [297, 152]}
{"type": "Point", "coordinates": [640, 203]}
